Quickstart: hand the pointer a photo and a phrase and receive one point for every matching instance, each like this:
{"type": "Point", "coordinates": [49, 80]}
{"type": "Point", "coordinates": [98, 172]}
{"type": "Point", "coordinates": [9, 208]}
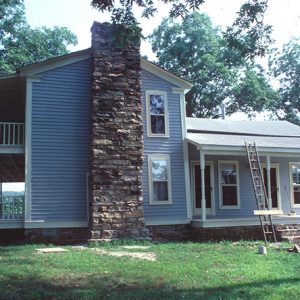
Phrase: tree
{"type": "Point", "coordinates": [248, 34]}
{"type": "Point", "coordinates": [285, 67]}
{"type": "Point", "coordinates": [197, 51]}
{"type": "Point", "coordinates": [252, 93]}
{"type": "Point", "coordinates": [22, 45]}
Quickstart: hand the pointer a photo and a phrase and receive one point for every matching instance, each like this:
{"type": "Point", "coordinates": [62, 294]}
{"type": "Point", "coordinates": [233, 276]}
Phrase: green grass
{"type": "Point", "coordinates": [182, 271]}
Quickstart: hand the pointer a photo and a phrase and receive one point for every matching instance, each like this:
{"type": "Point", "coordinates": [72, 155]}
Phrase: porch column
{"type": "Point", "coordinates": [268, 170]}
{"type": "Point", "coordinates": [203, 200]}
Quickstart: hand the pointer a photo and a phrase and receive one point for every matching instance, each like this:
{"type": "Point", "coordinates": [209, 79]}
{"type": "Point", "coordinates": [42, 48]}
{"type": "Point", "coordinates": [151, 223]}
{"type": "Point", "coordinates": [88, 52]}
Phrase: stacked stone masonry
{"type": "Point", "coordinates": [117, 139]}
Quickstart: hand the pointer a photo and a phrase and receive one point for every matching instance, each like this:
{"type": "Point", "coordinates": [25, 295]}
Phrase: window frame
{"type": "Point", "coordinates": [151, 158]}
{"type": "Point", "coordinates": [166, 118]}
{"type": "Point", "coordinates": [292, 186]}
{"type": "Point", "coordinates": [221, 205]}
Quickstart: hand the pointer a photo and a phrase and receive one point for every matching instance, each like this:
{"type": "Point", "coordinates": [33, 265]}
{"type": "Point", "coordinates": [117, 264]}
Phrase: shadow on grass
{"type": "Point", "coordinates": [102, 286]}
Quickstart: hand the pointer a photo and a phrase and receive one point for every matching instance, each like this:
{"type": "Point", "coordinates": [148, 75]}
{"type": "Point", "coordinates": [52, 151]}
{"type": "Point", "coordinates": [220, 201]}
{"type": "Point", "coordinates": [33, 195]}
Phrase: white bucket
{"type": "Point", "coordinates": [262, 250]}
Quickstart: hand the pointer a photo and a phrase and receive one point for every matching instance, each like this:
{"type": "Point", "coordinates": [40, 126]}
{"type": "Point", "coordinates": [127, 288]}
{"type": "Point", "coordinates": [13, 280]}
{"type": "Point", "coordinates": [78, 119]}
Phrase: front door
{"type": "Point", "coordinates": [197, 189]}
{"type": "Point", "coordinates": [274, 186]}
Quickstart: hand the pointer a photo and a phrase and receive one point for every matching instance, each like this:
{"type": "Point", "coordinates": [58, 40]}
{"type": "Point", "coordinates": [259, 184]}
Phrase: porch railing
{"type": "Point", "coordinates": [12, 134]}
{"type": "Point", "coordinates": [11, 208]}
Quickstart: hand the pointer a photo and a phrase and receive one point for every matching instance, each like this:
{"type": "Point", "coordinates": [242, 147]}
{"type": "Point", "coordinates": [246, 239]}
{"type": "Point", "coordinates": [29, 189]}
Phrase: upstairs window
{"type": "Point", "coordinates": [159, 179]}
{"type": "Point", "coordinates": [157, 114]}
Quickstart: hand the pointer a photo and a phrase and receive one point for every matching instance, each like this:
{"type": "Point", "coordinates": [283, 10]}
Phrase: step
{"type": "Point", "coordinates": [288, 229]}
{"type": "Point", "coordinates": [291, 238]}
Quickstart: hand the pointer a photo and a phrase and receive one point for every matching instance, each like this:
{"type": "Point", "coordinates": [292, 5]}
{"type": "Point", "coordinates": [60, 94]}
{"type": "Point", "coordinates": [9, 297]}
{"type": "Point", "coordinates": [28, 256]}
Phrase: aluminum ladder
{"type": "Point", "coordinates": [263, 211]}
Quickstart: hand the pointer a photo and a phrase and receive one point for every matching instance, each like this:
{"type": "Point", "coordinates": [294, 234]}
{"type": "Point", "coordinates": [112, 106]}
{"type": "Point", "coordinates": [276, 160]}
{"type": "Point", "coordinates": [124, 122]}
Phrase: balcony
{"type": "Point", "coordinates": [11, 208]}
{"type": "Point", "coordinates": [12, 137]}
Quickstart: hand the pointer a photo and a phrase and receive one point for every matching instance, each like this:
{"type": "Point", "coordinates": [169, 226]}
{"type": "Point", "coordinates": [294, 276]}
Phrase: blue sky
{"type": "Point", "coordinates": [78, 16]}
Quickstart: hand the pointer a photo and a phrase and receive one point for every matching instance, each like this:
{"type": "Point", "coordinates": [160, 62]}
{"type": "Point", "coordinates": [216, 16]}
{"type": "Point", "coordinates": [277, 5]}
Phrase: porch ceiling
{"type": "Point", "coordinates": [12, 99]}
{"type": "Point", "coordinates": [12, 167]}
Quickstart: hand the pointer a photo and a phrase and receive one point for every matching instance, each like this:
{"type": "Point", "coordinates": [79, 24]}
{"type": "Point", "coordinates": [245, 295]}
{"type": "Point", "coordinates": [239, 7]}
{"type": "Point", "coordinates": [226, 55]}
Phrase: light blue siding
{"type": "Point", "coordinates": [60, 143]}
{"type": "Point", "coordinates": [247, 198]}
{"type": "Point", "coordinates": [172, 146]}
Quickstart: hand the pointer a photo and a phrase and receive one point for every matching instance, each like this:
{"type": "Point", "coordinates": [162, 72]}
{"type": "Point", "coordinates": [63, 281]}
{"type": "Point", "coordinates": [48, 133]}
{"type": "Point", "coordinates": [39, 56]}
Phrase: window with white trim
{"type": "Point", "coordinates": [229, 184]}
{"type": "Point", "coordinates": [157, 114]}
{"type": "Point", "coordinates": [159, 179]}
{"type": "Point", "coordinates": [295, 183]}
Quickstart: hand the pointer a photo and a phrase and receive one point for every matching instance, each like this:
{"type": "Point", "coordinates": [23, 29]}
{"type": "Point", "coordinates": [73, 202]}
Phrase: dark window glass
{"type": "Point", "coordinates": [158, 124]}
{"type": "Point", "coordinates": [160, 191]}
{"type": "Point", "coordinates": [229, 195]}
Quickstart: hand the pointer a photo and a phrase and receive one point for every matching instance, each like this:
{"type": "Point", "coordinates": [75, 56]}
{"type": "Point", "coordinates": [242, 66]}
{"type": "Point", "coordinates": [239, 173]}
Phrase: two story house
{"type": "Point", "coordinates": [101, 140]}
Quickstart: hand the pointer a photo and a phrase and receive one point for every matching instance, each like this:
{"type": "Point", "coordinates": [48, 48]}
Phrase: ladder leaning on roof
{"type": "Point", "coordinates": [263, 211]}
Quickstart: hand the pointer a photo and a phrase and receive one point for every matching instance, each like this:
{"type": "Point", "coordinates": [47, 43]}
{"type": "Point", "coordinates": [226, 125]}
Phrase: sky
{"type": "Point", "coordinates": [78, 16]}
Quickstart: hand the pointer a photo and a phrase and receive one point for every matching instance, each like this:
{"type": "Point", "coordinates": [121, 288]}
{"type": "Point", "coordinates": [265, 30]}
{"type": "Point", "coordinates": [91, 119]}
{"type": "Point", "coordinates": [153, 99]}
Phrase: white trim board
{"type": "Point", "coordinates": [167, 222]}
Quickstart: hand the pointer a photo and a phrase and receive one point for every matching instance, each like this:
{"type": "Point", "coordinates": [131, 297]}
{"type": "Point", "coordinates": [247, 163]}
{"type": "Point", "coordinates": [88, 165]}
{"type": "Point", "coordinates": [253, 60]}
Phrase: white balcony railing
{"type": "Point", "coordinates": [12, 134]}
{"type": "Point", "coordinates": [11, 208]}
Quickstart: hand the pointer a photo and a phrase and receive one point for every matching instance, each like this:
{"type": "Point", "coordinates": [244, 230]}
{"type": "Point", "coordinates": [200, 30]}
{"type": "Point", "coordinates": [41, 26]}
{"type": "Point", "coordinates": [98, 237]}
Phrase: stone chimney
{"type": "Point", "coordinates": [116, 205]}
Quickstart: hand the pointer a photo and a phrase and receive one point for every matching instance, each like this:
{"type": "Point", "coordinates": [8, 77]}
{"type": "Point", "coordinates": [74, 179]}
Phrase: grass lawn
{"type": "Point", "coordinates": [181, 271]}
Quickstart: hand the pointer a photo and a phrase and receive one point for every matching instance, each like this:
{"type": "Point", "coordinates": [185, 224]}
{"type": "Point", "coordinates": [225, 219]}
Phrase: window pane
{"type": "Point", "coordinates": [296, 174]}
{"type": "Point", "coordinates": [157, 105]}
{"type": "Point", "coordinates": [158, 124]}
{"type": "Point", "coordinates": [297, 196]}
{"type": "Point", "coordinates": [228, 174]}
{"type": "Point", "coordinates": [159, 170]}
{"type": "Point", "coordinates": [229, 195]}
{"type": "Point", "coordinates": [160, 191]}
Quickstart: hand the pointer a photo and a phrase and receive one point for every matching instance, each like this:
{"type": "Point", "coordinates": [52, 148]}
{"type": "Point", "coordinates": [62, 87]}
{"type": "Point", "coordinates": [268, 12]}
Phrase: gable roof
{"type": "Point", "coordinates": [55, 62]}
{"type": "Point", "coordinates": [231, 135]}
{"type": "Point", "coordinates": [73, 57]}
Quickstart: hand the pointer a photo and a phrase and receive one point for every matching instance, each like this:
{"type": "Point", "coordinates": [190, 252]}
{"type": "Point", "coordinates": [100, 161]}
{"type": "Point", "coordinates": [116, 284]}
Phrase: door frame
{"type": "Point", "coordinates": [276, 166]}
{"type": "Point", "coordinates": [209, 211]}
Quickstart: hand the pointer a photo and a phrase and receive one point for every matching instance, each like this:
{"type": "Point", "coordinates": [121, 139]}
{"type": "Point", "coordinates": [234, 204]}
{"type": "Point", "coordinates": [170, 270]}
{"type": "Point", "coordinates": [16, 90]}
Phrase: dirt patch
{"type": "Point", "coordinates": [136, 255]}
{"type": "Point", "coordinates": [136, 247]}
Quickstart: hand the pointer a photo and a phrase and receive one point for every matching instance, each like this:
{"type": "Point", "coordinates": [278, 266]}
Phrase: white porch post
{"type": "Point", "coordinates": [268, 169]}
{"type": "Point", "coordinates": [203, 201]}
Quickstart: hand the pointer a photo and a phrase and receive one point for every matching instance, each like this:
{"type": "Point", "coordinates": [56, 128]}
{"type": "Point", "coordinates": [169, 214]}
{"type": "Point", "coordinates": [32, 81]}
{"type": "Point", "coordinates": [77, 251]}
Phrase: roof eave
{"type": "Point", "coordinates": [241, 149]}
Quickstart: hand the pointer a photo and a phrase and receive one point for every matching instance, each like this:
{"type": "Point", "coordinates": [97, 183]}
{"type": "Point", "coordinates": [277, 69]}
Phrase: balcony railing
{"type": "Point", "coordinates": [11, 208]}
{"type": "Point", "coordinates": [12, 134]}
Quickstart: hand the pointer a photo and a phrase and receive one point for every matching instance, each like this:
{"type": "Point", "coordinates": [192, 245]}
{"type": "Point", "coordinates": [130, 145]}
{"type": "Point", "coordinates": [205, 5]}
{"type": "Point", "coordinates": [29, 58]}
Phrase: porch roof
{"type": "Point", "coordinates": [269, 136]}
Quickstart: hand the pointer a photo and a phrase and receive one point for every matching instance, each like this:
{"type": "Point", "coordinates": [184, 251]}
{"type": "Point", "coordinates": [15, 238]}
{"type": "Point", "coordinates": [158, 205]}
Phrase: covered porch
{"type": "Point", "coordinates": [221, 186]}
{"type": "Point", "coordinates": [12, 148]}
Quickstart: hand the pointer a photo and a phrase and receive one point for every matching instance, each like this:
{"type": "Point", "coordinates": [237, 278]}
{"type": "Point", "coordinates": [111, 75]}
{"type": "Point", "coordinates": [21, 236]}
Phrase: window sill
{"type": "Point", "coordinates": [160, 203]}
{"type": "Point", "coordinates": [158, 135]}
{"type": "Point", "coordinates": [230, 207]}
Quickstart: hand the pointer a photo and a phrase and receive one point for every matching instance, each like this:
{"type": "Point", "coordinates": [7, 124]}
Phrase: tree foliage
{"type": "Point", "coordinates": [197, 51]}
{"type": "Point", "coordinates": [248, 34]}
{"type": "Point", "coordinates": [285, 67]}
{"type": "Point", "coordinates": [21, 45]}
